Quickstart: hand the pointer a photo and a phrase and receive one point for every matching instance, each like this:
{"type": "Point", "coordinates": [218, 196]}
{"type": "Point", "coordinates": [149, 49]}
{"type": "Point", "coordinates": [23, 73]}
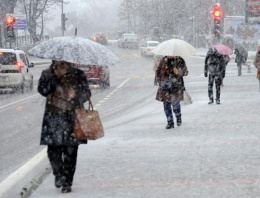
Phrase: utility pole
{"type": "Point", "coordinates": [63, 19]}
{"type": "Point", "coordinates": [62, 28]}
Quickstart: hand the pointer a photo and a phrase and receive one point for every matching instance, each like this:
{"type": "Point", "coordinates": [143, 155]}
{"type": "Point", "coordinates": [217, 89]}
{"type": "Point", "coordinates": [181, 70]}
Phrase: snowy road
{"type": "Point", "coordinates": [213, 154]}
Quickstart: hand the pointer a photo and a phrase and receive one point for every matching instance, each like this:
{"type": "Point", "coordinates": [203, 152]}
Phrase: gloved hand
{"type": "Point", "coordinates": [206, 74]}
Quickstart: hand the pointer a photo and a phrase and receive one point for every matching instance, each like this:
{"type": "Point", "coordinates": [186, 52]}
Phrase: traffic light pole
{"type": "Point", "coordinates": [62, 28]}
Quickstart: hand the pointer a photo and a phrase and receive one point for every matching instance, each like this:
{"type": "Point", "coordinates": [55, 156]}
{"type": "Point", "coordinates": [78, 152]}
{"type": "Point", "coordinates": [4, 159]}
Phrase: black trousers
{"type": "Point", "coordinates": [63, 160]}
{"type": "Point", "coordinates": [218, 80]}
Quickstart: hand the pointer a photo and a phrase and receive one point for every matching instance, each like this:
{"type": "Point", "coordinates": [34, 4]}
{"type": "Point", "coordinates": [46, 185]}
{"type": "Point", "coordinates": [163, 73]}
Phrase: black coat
{"type": "Point", "coordinates": [58, 119]}
{"type": "Point", "coordinates": [215, 63]}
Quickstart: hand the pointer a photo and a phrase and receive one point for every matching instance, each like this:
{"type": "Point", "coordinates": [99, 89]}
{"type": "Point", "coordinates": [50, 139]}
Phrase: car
{"type": "Point", "coordinates": [100, 38]}
{"type": "Point", "coordinates": [128, 40]}
{"type": "Point", "coordinates": [147, 47]}
{"type": "Point", "coordinates": [15, 70]}
{"type": "Point", "coordinates": [96, 75]}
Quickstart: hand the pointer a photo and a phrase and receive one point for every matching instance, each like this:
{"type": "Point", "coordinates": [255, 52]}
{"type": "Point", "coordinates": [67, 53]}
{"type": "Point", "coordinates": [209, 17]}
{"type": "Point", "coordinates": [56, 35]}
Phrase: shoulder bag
{"type": "Point", "coordinates": [87, 123]}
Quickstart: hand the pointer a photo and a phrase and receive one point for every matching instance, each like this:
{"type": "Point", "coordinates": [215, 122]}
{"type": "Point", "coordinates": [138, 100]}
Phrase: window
{"type": "Point", "coordinates": [7, 58]}
{"type": "Point", "coordinates": [152, 44]}
{"type": "Point", "coordinates": [23, 58]}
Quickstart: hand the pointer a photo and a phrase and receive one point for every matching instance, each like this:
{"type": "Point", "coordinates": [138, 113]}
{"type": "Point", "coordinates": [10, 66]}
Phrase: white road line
{"type": "Point", "coordinates": [123, 83]}
{"type": "Point", "coordinates": [110, 94]}
{"type": "Point", "coordinates": [37, 95]}
{"type": "Point", "coordinates": [13, 103]}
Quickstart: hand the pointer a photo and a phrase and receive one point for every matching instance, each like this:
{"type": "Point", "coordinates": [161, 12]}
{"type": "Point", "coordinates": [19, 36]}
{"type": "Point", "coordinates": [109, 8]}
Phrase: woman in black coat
{"type": "Point", "coordinates": [65, 89]}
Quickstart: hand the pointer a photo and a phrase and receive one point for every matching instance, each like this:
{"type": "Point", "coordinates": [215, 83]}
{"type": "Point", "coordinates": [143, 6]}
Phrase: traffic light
{"type": "Point", "coordinates": [217, 14]}
{"type": "Point", "coordinates": [63, 20]}
{"type": "Point", "coordinates": [9, 21]}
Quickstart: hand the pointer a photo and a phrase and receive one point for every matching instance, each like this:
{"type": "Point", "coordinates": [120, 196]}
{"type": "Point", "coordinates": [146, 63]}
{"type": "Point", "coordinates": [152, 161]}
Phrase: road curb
{"type": "Point", "coordinates": [41, 63]}
{"type": "Point", "coordinates": [23, 181]}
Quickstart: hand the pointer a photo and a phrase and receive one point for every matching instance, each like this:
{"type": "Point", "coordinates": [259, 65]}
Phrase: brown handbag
{"type": "Point", "coordinates": [87, 124]}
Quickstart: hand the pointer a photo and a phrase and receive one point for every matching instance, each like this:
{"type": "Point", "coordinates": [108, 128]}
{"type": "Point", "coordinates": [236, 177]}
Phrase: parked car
{"type": "Point", "coordinates": [128, 40]}
{"type": "Point", "coordinates": [147, 47]}
{"type": "Point", "coordinates": [100, 38]}
{"type": "Point", "coordinates": [96, 75]}
{"type": "Point", "coordinates": [15, 70]}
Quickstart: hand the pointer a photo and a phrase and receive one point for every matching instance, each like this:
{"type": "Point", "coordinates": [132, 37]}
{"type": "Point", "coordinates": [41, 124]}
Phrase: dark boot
{"type": "Point", "coordinates": [169, 125]}
{"type": "Point", "coordinates": [211, 101]}
{"type": "Point", "coordinates": [217, 101]}
{"type": "Point", "coordinates": [179, 121]}
{"type": "Point", "coordinates": [66, 189]}
{"type": "Point", "coordinates": [58, 181]}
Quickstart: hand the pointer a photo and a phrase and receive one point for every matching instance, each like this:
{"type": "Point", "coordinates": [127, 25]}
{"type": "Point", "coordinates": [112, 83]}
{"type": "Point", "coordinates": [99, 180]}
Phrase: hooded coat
{"type": "Point", "coordinates": [215, 63]}
{"type": "Point", "coordinates": [58, 119]}
{"type": "Point", "coordinates": [240, 57]}
{"type": "Point", "coordinates": [164, 72]}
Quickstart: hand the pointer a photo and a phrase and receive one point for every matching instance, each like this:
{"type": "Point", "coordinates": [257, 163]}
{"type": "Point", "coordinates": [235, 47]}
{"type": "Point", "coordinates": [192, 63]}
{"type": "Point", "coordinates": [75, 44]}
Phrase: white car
{"type": "Point", "coordinates": [15, 70]}
{"type": "Point", "coordinates": [147, 47]}
{"type": "Point", "coordinates": [128, 40]}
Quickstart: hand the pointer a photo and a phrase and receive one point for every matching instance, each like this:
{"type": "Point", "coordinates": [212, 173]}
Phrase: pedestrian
{"type": "Point", "coordinates": [257, 65]}
{"type": "Point", "coordinates": [240, 59]}
{"type": "Point", "coordinates": [215, 66]}
{"type": "Point", "coordinates": [171, 68]}
{"type": "Point", "coordinates": [227, 59]}
{"type": "Point", "coordinates": [65, 89]}
{"type": "Point", "coordinates": [157, 59]}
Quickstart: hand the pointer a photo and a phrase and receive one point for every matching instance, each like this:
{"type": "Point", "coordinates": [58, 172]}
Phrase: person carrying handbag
{"type": "Point", "coordinates": [171, 68]}
{"type": "Point", "coordinates": [65, 88]}
{"type": "Point", "coordinates": [257, 65]}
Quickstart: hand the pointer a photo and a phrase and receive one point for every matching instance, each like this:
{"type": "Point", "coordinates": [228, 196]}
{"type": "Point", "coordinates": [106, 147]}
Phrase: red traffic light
{"type": "Point", "coordinates": [217, 11]}
{"type": "Point", "coordinates": [10, 20]}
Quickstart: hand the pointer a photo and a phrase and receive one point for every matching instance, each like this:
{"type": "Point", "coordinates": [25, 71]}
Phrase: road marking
{"type": "Point", "coordinates": [16, 102]}
{"type": "Point", "coordinates": [135, 76]}
{"type": "Point", "coordinates": [37, 95]}
{"type": "Point", "coordinates": [137, 55]}
{"type": "Point", "coordinates": [111, 93]}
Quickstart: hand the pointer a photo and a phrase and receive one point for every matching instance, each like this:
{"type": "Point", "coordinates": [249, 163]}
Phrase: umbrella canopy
{"type": "Point", "coordinates": [222, 49]}
{"type": "Point", "coordinates": [74, 49]}
{"type": "Point", "coordinates": [241, 49]}
{"type": "Point", "coordinates": [174, 47]}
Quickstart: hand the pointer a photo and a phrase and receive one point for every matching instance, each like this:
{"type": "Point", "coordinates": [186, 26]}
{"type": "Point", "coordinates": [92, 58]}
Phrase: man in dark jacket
{"type": "Point", "coordinates": [241, 57]}
{"type": "Point", "coordinates": [215, 66]}
{"type": "Point", "coordinates": [65, 89]}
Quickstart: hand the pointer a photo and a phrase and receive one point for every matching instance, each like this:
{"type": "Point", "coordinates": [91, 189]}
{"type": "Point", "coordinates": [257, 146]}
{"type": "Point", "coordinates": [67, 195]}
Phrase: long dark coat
{"type": "Point", "coordinates": [215, 63]}
{"type": "Point", "coordinates": [58, 119]}
{"type": "Point", "coordinates": [164, 72]}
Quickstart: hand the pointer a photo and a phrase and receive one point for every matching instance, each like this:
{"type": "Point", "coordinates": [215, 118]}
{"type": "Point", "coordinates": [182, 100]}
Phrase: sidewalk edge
{"type": "Point", "coordinates": [23, 181]}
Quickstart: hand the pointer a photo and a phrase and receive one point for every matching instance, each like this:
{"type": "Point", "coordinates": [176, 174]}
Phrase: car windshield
{"type": "Point", "coordinates": [130, 35]}
{"type": "Point", "coordinates": [152, 44]}
{"type": "Point", "coordinates": [7, 58]}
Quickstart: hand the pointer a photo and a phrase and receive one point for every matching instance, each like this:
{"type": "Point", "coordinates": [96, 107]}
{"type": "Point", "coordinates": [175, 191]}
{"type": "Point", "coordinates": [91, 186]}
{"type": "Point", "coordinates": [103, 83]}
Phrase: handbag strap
{"type": "Point", "coordinates": [90, 105]}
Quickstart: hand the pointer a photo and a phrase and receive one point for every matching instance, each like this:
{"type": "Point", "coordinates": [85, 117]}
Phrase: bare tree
{"type": "Point", "coordinates": [7, 6]}
{"type": "Point", "coordinates": [174, 16]}
{"type": "Point", "coordinates": [34, 11]}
